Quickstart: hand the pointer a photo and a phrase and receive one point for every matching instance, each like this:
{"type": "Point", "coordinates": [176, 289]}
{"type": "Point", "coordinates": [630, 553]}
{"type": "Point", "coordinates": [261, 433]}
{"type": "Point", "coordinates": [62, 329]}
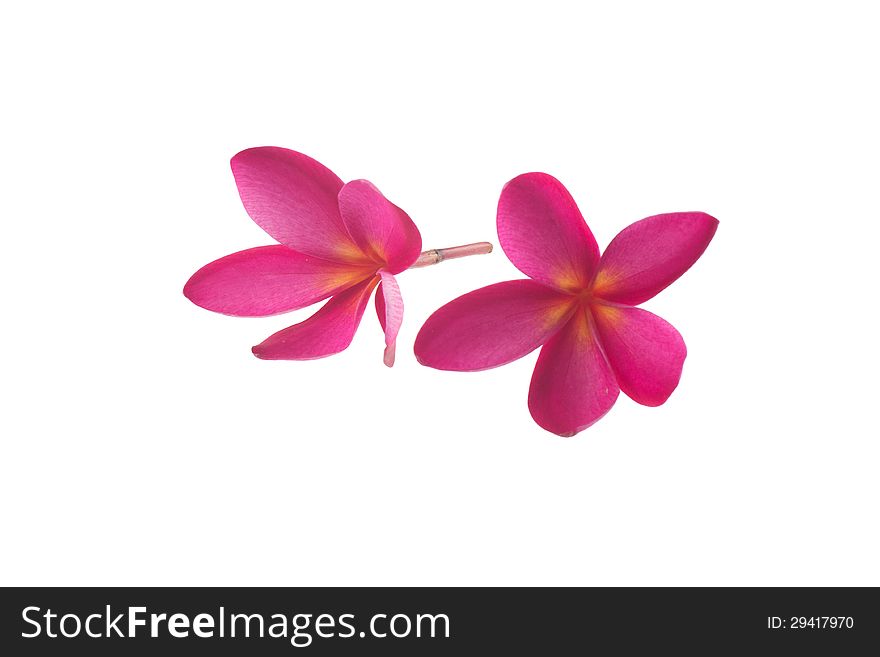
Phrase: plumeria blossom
{"type": "Point", "coordinates": [579, 307]}
{"type": "Point", "coordinates": [337, 241]}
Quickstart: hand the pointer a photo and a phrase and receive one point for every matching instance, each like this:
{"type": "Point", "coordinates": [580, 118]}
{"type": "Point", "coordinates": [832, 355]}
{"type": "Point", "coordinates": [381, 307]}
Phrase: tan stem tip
{"type": "Point", "coordinates": [433, 256]}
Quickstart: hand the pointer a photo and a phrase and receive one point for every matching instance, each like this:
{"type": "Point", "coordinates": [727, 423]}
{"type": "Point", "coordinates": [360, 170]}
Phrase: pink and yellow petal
{"type": "Point", "coordinates": [492, 326]}
{"type": "Point", "coordinates": [572, 385]}
{"type": "Point", "coordinates": [645, 352]}
{"type": "Point", "coordinates": [268, 280]}
{"type": "Point", "coordinates": [327, 332]}
{"type": "Point", "coordinates": [544, 234]}
{"type": "Point", "coordinates": [294, 199]}
{"type": "Point", "coordinates": [382, 231]}
{"type": "Point", "coordinates": [650, 254]}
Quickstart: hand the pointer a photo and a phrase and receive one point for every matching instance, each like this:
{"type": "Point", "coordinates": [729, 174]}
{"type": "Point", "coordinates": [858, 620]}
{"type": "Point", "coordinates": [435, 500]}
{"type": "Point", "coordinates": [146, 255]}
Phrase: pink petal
{"type": "Point", "coordinates": [268, 280]}
{"type": "Point", "coordinates": [491, 326]}
{"type": "Point", "coordinates": [389, 307]}
{"type": "Point", "coordinates": [650, 254]}
{"type": "Point", "coordinates": [645, 352]}
{"type": "Point", "coordinates": [380, 306]}
{"type": "Point", "coordinates": [328, 331]}
{"type": "Point", "coordinates": [294, 199]}
{"type": "Point", "coordinates": [572, 386]}
{"type": "Point", "coordinates": [381, 229]}
{"type": "Point", "coordinates": [544, 234]}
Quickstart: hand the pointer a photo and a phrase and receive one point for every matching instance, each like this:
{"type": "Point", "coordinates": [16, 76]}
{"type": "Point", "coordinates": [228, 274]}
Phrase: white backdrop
{"type": "Point", "coordinates": [144, 444]}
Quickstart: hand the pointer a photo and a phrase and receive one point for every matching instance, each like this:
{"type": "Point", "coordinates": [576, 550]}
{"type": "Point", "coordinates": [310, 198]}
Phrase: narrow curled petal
{"type": "Point", "coordinates": [382, 230]}
{"type": "Point", "coordinates": [389, 307]}
{"type": "Point", "coordinates": [268, 280]}
{"type": "Point", "coordinates": [491, 326]}
{"type": "Point", "coordinates": [544, 234]}
{"type": "Point", "coordinates": [572, 386]}
{"type": "Point", "coordinates": [294, 199]}
{"type": "Point", "coordinates": [645, 352]}
{"type": "Point", "coordinates": [327, 332]}
{"type": "Point", "coordinates": [650, 254]}
{"type": "Point", "coordinates": [380, 306]}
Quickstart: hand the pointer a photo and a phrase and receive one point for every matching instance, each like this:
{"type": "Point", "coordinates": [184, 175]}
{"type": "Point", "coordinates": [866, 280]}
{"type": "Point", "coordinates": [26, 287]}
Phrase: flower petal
{"type": "Point", "coordinates": [294, 199]}
{"type": "Point", "coordinates": [645, 352]}
{"type": "Point", "coordinates": [650, 254]}
{"type": "Point", "coordinates": [572, 386]}
{"type": "Point", "coordinates": [380, 306]}
{"type": "Point", "coordinates": [268, 280]}
{"type": "Point", "coordinates": [328, 331]}
{"type": "Point", "coordinates": [389, 307]}
{"type": "Point", "coordinates": [381, 229]}
{"type": "Point", "coordinates": [544, 234]}
{"type": "Point", "coordinates": [491, 326]}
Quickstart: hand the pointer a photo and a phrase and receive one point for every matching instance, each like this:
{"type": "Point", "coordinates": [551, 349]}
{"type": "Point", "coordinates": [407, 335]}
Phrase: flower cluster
{"type": "Point", "coordinates": [343, 241]}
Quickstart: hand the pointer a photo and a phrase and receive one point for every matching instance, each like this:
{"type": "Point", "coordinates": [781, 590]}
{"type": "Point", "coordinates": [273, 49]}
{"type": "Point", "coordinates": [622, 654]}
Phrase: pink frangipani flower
{"type": "Point", "coordinates": [578, 305]}
{"type": "Point", "coordinates": [336, 240]}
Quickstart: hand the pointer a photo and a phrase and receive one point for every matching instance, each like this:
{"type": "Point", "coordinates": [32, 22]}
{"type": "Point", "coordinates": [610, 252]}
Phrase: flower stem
{"type": "Point", "coordinates": [433, 256]}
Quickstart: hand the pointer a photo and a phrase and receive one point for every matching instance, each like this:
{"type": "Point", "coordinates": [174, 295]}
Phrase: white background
{"type": "Point", "coordinates": [142, 443]}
